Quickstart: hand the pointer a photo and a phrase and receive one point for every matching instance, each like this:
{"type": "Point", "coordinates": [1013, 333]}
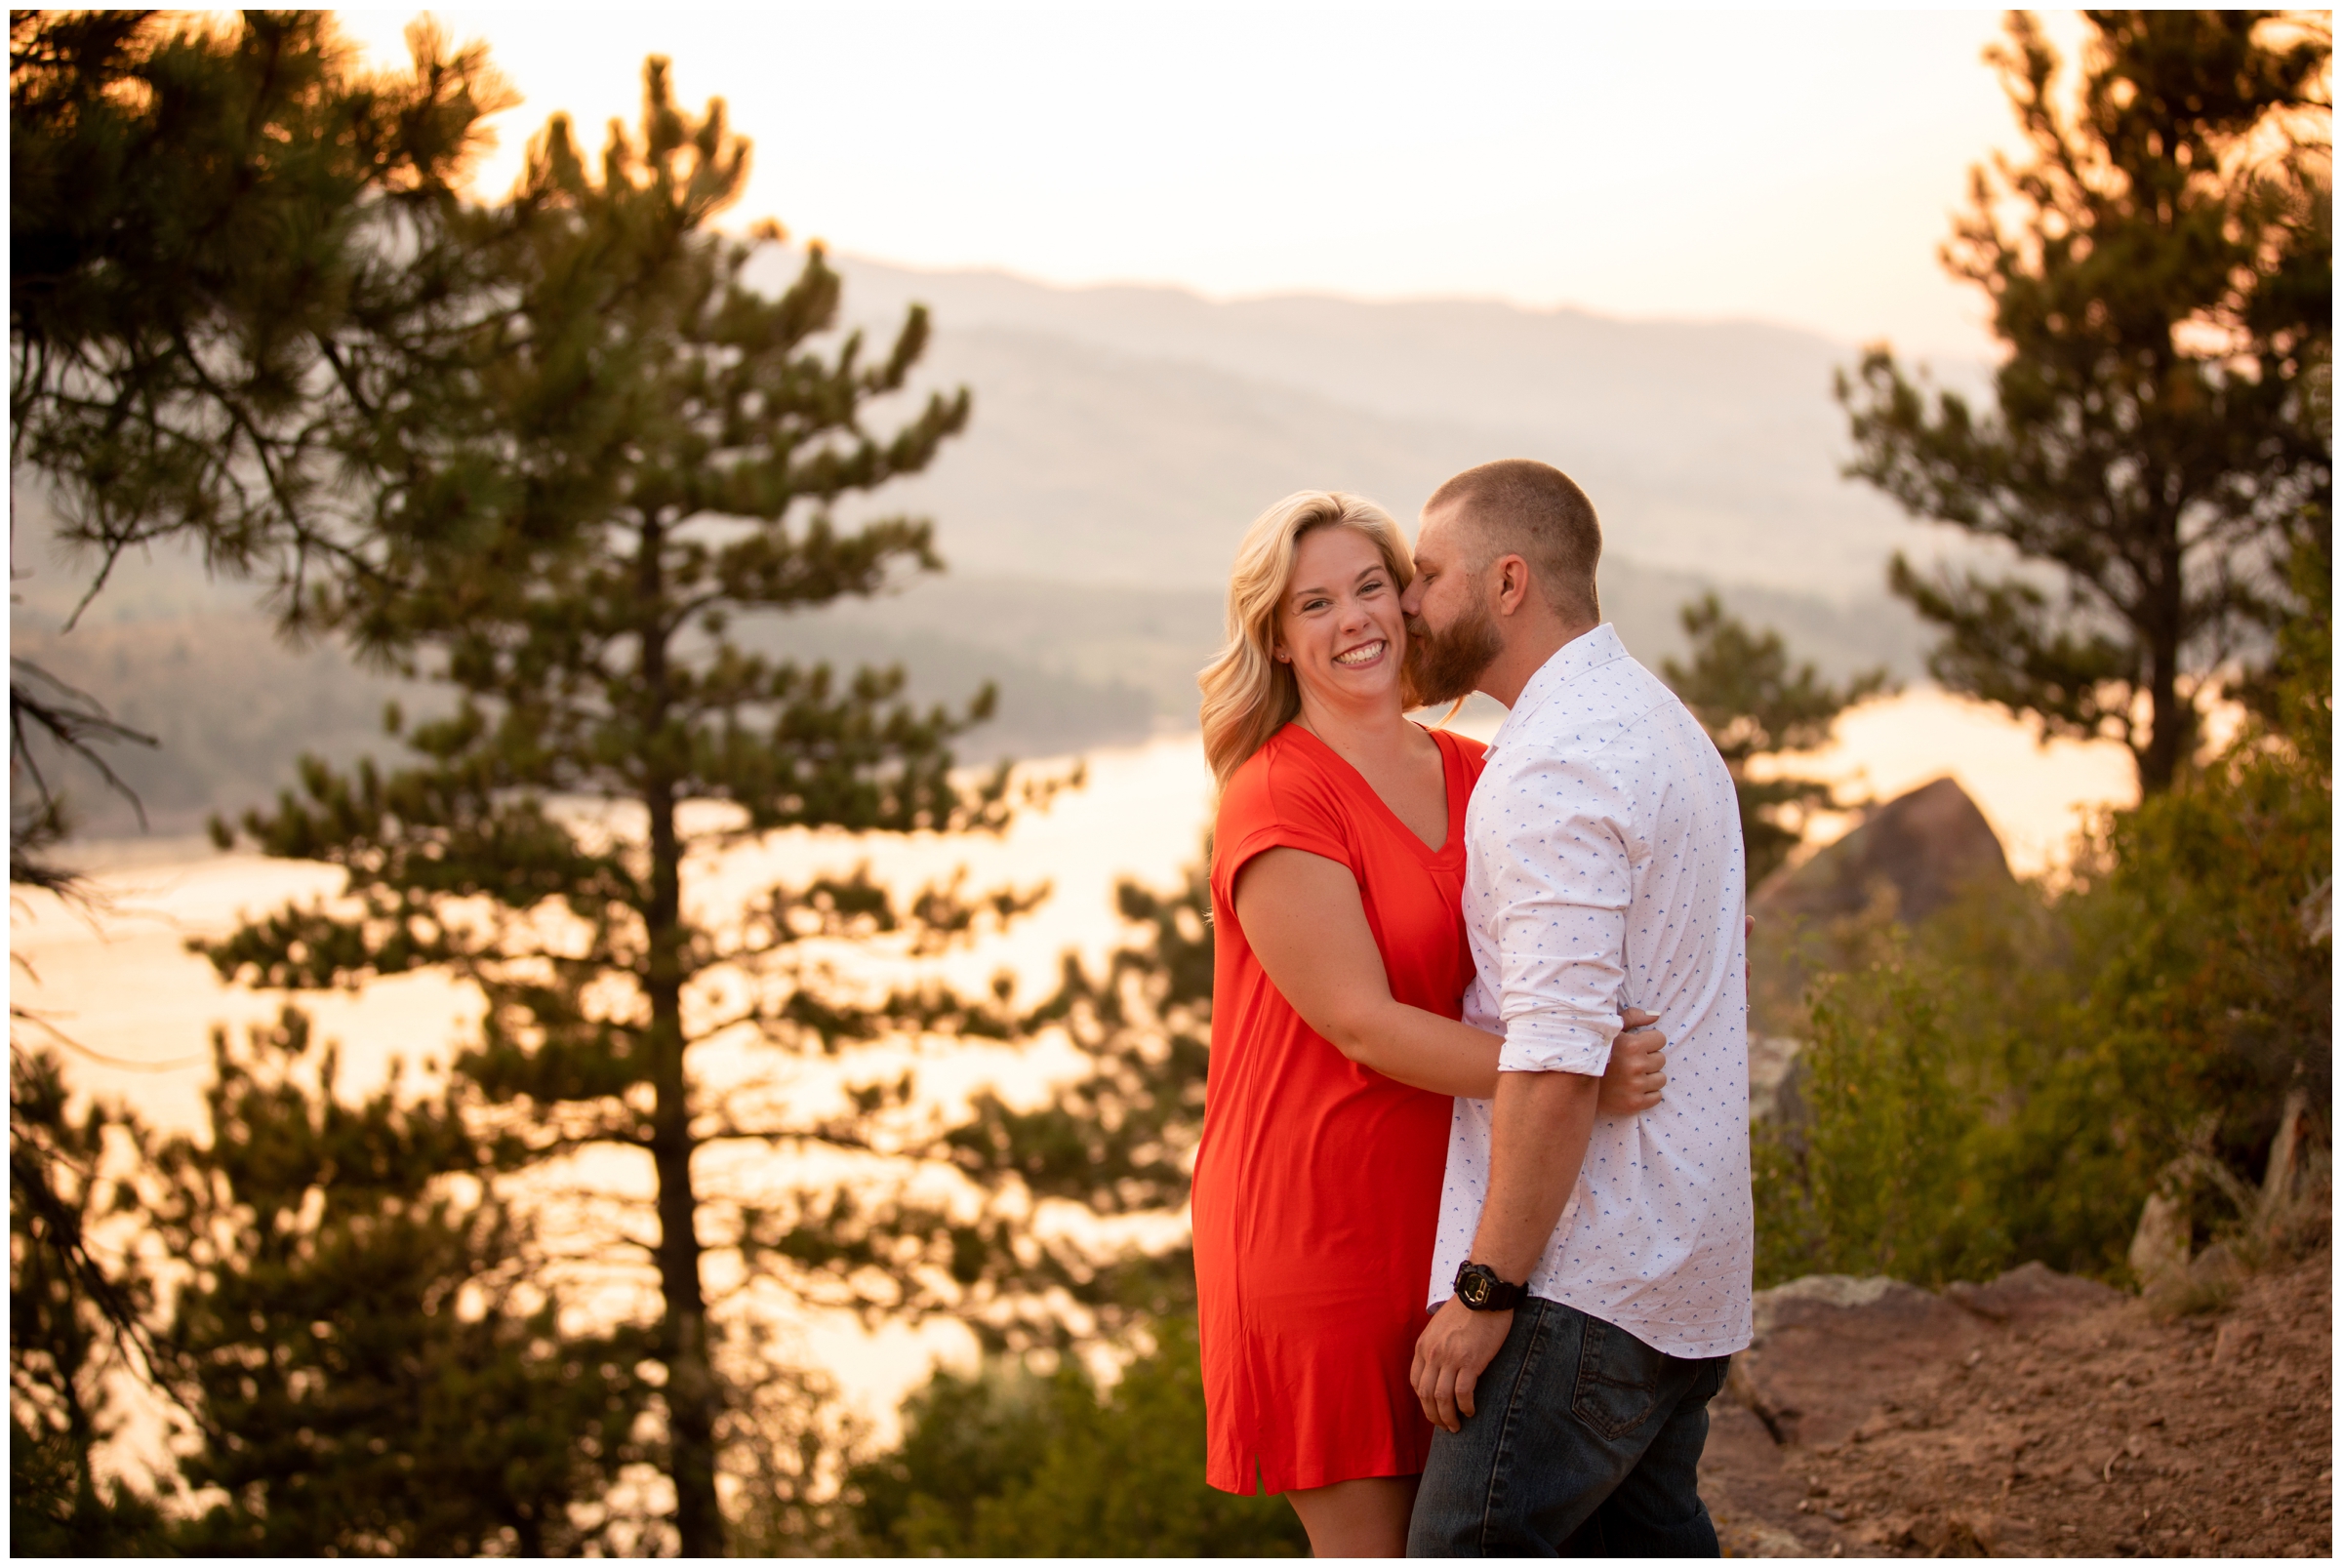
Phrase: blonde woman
{"type": "Point", "coordinates": [1340, 965]}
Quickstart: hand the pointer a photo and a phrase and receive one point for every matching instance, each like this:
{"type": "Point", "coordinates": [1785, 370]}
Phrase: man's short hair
{"type": "Point", "coordinates": [1534, 510]}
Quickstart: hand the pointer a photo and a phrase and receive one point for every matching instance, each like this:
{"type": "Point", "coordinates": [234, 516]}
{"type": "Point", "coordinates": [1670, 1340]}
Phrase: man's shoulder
{"type": "Point", "coordinates": [1600, 711]}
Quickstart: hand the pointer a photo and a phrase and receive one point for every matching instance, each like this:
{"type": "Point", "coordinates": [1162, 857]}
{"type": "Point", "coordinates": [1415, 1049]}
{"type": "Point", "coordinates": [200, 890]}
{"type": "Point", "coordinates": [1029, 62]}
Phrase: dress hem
{"type": "Point", "coordinates": [1394, 1468]}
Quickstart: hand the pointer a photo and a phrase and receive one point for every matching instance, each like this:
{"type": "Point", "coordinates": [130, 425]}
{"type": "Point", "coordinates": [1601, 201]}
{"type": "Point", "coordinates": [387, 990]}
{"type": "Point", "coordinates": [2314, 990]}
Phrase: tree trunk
{"type": "Point", "coordinates": [2171, 743]}
{"type": "Point", "coordinates": [2172, 739]}
{"type": "Point", "coordinates": [692, 1399]}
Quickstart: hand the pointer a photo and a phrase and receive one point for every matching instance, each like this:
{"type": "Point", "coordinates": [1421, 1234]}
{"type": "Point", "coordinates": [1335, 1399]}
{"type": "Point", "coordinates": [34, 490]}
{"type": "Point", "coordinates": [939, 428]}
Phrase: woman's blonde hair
{"type": "Point", "coordinates": [1248, 695]}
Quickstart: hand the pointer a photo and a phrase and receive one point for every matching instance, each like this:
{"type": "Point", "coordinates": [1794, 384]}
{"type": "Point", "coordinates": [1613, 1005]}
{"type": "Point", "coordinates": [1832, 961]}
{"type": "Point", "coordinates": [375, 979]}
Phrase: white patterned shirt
{"type": "Point", "coordinates": [1606, 871]}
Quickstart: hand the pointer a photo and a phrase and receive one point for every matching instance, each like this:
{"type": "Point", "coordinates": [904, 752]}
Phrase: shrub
{"type": "Point", "coordinates": [1010, 1464]}
{"type": "Point", "coordinates": [2009, 1081]}
{"type": "Point", "coordinates": [1875, 1175]}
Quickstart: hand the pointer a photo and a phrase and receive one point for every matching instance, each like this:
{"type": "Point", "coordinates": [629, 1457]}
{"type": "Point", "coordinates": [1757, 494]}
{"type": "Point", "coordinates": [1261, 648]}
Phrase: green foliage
{"type": "Point", "coordinates": [367, 1355]}
{"type": "Point", "coordinates": [2162, 278]}
{"type": "Point", "coordinates": [231, 262]}
{"type": "Point", "coordinates": [673, 444]}
{"type": "Point", "coordinates": [1739, 685]}
{"type": "Point", "coordinates": [1010, 1464]}
{"type": "Point", "coordinates": [237, 269]}
{"type": "Point", "coordinates": [1875, 1182]}
{"type": "Point", "coordinates": [2214, 994]}
{"type": "Point", "coordinates": [2011, 1080]}
{"type": "Point", "coordinates": [77, 1321]}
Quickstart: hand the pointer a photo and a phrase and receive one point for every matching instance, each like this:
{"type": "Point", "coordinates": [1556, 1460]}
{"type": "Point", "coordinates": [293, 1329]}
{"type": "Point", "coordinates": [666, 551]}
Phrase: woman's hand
{"type": "Point", "coordinates": [1637, 1069]}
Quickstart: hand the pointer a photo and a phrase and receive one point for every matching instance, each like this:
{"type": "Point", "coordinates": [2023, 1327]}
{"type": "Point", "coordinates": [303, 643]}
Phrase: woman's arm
{"type": "Point", "coordinates": [1303, 914]}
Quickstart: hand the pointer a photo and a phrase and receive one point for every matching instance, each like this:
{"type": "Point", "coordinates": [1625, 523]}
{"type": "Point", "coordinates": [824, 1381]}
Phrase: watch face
{"type": "Point", "coordinates": [1475, 1289]}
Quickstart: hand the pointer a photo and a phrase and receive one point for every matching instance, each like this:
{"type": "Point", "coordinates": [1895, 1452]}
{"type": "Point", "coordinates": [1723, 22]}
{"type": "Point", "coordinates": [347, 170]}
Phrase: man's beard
{"type": "Point", "coordinates": [1444, 666]}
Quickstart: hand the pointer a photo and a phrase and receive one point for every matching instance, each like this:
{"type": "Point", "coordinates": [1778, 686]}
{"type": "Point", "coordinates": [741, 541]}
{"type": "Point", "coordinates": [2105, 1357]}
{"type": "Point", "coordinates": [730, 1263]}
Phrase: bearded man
{"type": "Point", "coordinates": [1593, 1273]}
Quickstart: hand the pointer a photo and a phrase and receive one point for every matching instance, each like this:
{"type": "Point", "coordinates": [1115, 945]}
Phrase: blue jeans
{"type": "Point", "coordinates": [1587, 1442]}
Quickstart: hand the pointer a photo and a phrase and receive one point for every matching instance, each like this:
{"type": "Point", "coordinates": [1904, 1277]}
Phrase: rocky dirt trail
{"type": "Point", "coordinates": [2036, 1416]}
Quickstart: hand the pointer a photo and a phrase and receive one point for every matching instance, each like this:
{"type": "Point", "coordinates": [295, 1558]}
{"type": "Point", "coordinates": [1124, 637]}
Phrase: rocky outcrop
{"type": "Point", "coordinates": [2031, 1295]}
{"type": "Point", "coordinates": [1908, 859]}
{"type": "Point", "coordinates": [1819, 1341]}
{"type": "Point", "coordinates": [1924, 848]}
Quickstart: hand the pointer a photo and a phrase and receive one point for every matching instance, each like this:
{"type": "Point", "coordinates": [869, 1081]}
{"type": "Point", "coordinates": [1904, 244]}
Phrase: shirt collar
{"type": "Point", "coordinates": [1580, 656]}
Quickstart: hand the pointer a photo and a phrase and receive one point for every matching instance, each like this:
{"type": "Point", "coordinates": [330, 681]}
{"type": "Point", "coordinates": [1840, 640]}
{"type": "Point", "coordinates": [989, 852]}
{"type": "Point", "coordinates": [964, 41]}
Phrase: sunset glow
{"type": "Point", "coordinates": [1800, 168]}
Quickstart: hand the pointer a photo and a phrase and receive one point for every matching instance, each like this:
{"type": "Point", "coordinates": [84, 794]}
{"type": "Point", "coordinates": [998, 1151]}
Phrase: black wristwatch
{"type": "Point", "coordinates": [1479, 1288]}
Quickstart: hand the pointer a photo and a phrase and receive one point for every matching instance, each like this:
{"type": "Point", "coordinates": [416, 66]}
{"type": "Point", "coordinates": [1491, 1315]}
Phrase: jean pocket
{"type": "Point", "coordinates": [1617, 1380]}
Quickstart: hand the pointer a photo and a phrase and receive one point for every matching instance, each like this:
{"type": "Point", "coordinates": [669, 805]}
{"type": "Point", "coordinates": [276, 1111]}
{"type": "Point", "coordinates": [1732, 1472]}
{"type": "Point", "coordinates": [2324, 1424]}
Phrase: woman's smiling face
{"type": "Point", "coordinates": [1339, 624]}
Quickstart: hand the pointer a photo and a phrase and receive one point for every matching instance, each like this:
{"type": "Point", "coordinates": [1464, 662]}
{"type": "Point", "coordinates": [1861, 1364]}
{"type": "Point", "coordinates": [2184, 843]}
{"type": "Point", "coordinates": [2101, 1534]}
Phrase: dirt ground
{"type": "Point", "coordinates": [2036, 1416]}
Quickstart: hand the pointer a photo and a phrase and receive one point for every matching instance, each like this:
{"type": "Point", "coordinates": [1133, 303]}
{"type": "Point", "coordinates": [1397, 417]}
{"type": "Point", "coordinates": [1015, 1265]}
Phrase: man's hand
{"type": "Point", "coordinates": [1538, 1127]}
{"type": "Point", "coordinates": [1454, 1349]}
{"type": "Point", "coordinates": [1637, 1069]}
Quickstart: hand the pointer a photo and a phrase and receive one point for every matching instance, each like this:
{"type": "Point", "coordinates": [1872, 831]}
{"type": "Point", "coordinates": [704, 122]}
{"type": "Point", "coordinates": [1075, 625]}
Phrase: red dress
{"type": "Point", "coordinates": [1318, 1180]}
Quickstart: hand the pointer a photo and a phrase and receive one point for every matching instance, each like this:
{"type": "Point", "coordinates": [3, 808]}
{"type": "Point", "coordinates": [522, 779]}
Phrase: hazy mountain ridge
{"type": "Point", "coordinates": [1122, 441]}
{"type": "Point", "coordinates": [1086, 464]}
{"type": "Point", "coordinates": [1077, 665]}
{"type": "Point", "coordinates": [1709, 447]}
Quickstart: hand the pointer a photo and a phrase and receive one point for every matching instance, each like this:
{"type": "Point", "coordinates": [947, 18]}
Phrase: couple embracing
{"type": "Point", "coordinates": [1467, 1278]}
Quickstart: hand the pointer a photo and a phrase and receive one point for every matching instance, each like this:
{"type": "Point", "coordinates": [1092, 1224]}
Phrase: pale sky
{"type": "Point", "coordinates": [1790, 167]}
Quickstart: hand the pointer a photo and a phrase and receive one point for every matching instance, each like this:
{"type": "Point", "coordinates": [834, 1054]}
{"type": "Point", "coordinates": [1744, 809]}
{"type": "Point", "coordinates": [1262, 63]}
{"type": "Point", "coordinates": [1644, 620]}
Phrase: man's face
{"type": "Point", "coordinates": [1452, 636]}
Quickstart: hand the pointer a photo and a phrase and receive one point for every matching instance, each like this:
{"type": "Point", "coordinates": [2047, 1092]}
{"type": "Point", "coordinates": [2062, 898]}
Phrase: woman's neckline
{"type": "Point", "coordinates": [1448, 788]}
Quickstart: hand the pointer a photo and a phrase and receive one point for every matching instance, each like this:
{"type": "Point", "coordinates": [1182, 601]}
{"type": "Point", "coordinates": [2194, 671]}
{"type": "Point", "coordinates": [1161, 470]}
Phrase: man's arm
{"type": "Point", "coordinates": [1542, 1122]}
{"type": "Point", "coordinates": [1306, 921]}
{"type": "Point", "coordinates": [1560, 879]}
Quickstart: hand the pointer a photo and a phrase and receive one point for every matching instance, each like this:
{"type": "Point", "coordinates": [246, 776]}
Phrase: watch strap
{"type": "Point", "coordinates": [1480, 1288]}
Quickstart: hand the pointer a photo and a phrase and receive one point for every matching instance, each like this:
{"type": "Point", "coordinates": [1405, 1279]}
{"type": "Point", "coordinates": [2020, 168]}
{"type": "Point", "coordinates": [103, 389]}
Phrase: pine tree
{"type": "Point", "coordinates": [239, 282]}
{"type": "Point", "coordinates": [237, 272]}
{"type": "Point", "coordinates": [241, 289]}
{"type": "Point", "coordinates": [1752, 705]}
{"type": "Point", "coordinates": [77, 1320]}
{"type": "Point", "coordinates": [364, 1349]}
{"type": "Point", "coordinates": [2162, 279]}
{"type": "Point", "coordinates": [674, 446]}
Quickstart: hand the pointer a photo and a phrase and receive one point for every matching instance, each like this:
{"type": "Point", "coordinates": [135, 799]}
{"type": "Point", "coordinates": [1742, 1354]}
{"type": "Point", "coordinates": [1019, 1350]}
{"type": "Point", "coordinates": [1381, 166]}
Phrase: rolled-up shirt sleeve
{"type": "Point", "coordinates": [1562, 881]}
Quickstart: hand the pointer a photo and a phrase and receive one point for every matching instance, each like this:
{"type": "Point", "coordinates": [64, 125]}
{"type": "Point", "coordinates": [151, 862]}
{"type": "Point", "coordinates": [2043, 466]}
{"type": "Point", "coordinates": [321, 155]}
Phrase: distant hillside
{"type": "Point", "coordinates": [1089, 465]}
{"type": "Point", "coordinates": [1078, 665]}
{"type": "Point", "coordinates": [1154, 640]}
{"type": "Point", "coordinates": [1123, 438]}
{"type": "Point", "coordinates": [1108, 418]}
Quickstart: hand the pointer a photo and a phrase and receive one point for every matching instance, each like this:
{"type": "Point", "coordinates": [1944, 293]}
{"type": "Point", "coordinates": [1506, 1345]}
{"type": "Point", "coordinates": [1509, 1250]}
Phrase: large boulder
{"type": "Point", "coordinates": [1925, 848]}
